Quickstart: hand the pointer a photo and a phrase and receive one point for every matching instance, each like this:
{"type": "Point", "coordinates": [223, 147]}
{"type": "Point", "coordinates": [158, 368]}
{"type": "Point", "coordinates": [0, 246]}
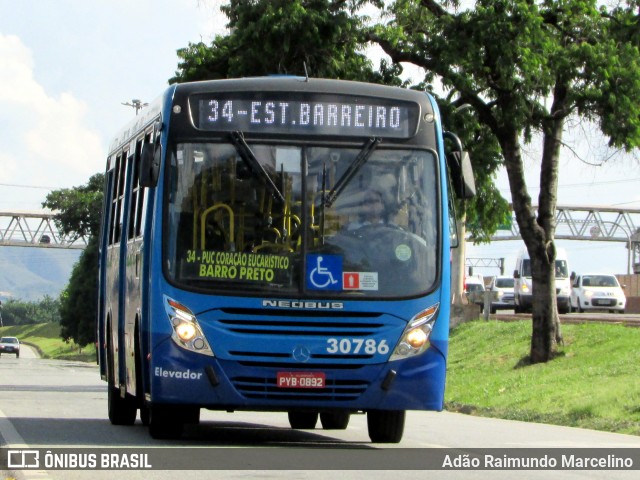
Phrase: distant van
{"type": "Point", "coordinates": [523, 284]}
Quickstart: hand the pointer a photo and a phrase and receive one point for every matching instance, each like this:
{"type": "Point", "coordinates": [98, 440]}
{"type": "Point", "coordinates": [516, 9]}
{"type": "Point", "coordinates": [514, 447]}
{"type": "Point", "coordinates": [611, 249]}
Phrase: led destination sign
{"type": "Point", "coordinates": [317, 115]}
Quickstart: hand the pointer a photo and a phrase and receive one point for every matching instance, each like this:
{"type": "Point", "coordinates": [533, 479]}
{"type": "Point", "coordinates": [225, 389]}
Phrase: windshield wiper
{"type": "Point", "coordinates": [252, 162]}
{"type": "Point", "coordinates": [346, 177]}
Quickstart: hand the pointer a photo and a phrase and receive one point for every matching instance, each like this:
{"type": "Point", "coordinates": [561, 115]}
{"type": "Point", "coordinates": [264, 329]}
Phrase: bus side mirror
{"type": "Point", "coordinates": [149, 165]}
{"type": "Point", "coordinates": [462, 174]}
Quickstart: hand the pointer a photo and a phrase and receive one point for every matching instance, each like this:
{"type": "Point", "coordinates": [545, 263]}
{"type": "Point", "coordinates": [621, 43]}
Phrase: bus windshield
{"type": "Point", "coordinates": [255, 217]}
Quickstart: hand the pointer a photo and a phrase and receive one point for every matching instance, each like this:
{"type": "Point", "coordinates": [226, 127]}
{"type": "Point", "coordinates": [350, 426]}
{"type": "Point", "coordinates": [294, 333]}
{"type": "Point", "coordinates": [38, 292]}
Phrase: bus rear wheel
{"type": "Point", "coordinates": [122, 411]}
{"type": "Point", "coordinates": [386, 426]}
{"type": "Point", "coordinates": [335, 420]}
{"type": "Point", "coordinates": [303, 420]}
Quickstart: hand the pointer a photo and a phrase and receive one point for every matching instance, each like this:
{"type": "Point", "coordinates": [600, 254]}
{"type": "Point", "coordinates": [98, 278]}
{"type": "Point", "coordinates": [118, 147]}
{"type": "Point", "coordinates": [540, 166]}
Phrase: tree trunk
{"type": "Point", "coordinates": [545, 321]}
{"type": "Point", "coordinates": [537, 231]}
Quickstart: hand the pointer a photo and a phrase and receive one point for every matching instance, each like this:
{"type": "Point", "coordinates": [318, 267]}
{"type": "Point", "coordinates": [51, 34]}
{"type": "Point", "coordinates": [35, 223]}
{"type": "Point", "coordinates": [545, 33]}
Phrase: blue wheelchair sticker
{"type": "Point", "coordinates": [324, 272]}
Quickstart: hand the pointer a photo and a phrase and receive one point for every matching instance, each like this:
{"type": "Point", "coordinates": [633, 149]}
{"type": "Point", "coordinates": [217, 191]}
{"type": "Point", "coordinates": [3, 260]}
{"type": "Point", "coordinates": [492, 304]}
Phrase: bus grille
{"type": "Point", "coordinates": [265, 389]}
{"type": "Point", "coordinates": [297, 327]}
{"type": "Point", "coordinates": [257, 338]}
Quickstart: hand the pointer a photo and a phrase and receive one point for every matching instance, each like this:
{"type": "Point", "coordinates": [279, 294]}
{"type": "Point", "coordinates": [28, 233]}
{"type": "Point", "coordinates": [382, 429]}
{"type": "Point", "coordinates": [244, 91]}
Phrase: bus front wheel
{"type": "Point", "coordinates": [386, 426]}
{"type": "Point", "coordinates": [164, 422]}
{"type": "Point", "coordinates": [303, 420]}
{"type": "Point", "coordinates": [335, 420]}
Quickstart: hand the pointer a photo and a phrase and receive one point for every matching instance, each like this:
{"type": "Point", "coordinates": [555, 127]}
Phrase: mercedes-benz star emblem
{"type": "Point", "coordinates": [301, 354]}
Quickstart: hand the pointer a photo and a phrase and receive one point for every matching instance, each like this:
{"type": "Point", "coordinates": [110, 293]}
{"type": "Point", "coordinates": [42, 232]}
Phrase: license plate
{"type": "Point", "coordinates": [604, 303]}
{"type": "Point", "coordinates": [301, 380]}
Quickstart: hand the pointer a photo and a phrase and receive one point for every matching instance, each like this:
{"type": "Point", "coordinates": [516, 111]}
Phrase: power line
{"type": "Point", "coordinates": [27, 186]}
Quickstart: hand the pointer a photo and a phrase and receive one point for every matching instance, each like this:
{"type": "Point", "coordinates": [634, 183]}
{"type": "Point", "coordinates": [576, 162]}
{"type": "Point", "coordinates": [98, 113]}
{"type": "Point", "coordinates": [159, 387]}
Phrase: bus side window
{"type": "Point", "coordinates": [109, 204]}
{"type": "Point", "coordinates": [117, 203]}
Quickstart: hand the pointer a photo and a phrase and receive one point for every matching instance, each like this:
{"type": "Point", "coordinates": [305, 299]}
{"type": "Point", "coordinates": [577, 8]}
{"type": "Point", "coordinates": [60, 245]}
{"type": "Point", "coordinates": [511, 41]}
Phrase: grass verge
{"type": "Point", "coordinates": [45, 337]}
{"type": "Point", "coordinates": [591, 383]}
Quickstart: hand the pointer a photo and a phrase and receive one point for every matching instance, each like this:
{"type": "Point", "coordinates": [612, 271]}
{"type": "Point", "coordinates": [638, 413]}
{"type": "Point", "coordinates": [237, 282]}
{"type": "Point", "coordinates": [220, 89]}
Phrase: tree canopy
{"type": "Point", "coordinates": [521, 68]}
{"type": "Point", "coordinates": [330, 38]}
{"type": "Point", "coordinates": [289, 37]}
{"type": "Point", "coordinates": [79, 211]}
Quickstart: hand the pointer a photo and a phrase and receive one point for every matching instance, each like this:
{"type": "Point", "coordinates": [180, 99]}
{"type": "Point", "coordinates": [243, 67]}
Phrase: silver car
{"type": "Point", "coordinates": [10, 345]}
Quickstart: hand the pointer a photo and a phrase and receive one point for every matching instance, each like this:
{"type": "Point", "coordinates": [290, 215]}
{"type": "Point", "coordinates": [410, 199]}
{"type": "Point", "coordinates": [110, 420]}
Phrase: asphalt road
{"type": "Point", "coordinates": [46, 404]}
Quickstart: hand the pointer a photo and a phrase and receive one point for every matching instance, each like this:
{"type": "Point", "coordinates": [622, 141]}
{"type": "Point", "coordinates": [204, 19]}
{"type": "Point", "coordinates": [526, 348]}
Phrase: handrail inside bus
{"type": "Point", "coordinates": [203, 223]}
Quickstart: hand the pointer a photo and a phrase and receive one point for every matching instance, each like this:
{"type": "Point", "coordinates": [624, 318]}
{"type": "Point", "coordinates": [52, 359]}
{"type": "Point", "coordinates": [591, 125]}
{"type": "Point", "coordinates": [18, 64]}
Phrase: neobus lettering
{"type": "Point", "coordinates": [302, 304]}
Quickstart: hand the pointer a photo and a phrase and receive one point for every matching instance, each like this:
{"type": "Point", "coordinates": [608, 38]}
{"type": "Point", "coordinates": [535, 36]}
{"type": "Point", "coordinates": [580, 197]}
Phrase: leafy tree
{"type": "Point", "coordinates": [285, 37]}
{"type": "Point", "coordinates": [329, 38]}
{"type": "Point", "coordinates": [78, 209]}
{"type": "Point", "coordinates": [78, 302]}
{"type": "Point", "coordinates": [524, 67]}
{"type": "Point", "coordinates": [79, 213]}
{"type": "Point", "coordinates": [17, 312]}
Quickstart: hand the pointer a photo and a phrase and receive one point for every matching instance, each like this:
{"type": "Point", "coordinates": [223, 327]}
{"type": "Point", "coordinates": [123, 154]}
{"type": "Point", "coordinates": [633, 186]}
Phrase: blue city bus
{"type": "Point", "coordinates": [278, 244]}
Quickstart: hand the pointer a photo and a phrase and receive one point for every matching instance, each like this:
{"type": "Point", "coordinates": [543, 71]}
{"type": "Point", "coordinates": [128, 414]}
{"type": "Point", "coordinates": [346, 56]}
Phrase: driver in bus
{"type": "Point", "coordinates": [373, 210]}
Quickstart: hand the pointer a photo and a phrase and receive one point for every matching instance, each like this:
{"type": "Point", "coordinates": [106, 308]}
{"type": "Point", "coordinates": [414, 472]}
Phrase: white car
{"type": "Point", "coordinates": [597, 291]}
{"type": "Point", "coordinates": [10, 345]}
{"type": "Point", "coordinates": [501, 293]}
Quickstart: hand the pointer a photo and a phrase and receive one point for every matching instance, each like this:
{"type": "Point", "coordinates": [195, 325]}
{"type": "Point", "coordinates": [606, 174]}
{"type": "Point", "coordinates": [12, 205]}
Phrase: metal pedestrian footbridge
{"type": "Point", "coordinates": [36, 229]}
{"type": "Point", "coordinates": [591, 223]}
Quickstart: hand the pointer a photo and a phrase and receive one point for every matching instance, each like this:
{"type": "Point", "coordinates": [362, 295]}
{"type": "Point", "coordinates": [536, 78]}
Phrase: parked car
{"type": "Point", "coordinates": [501, 293]}
{"type": "Point", "coordinates": [474, 289]}
{"type": "Point", "coordinates": [597, 291]}
{"type": "Point", "coordinates": [10, 345]}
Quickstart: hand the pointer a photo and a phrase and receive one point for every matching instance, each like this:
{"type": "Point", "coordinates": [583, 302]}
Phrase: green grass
{"type": "Point", "coordinates": [592, 383]}
{"type": "Point", "coordinates": [45, 337]}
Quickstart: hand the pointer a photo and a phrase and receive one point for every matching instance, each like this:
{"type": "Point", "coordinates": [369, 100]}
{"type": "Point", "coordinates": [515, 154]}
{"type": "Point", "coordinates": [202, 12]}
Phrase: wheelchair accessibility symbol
{"type": "Point", "coordinates": [324, 272]}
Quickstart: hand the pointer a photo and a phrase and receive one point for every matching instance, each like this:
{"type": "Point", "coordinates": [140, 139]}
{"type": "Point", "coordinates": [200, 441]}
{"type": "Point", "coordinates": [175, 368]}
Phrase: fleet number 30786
{"type": "Point", "coordinates": [357, 345]}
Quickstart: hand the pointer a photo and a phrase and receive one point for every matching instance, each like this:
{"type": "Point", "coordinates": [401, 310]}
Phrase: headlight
{"type": "Point", "coordinates": [525, 287]}
{"type": "Point", "coordinates": [415, 338]}
{"type": "Point", "coordinates": [588, 293]}
{"type": "Point", "coordinates": [186, 333]}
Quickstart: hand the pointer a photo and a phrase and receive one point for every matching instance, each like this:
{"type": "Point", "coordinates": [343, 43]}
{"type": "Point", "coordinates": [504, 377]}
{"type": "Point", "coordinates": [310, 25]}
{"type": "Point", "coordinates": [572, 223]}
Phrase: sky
{"type": "Point", "coordinates": [67, 66]}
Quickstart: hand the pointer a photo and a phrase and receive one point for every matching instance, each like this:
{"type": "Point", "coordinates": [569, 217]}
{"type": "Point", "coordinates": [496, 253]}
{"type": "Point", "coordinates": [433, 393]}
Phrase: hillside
{"type": "Point", "coordinates": [31, 273]}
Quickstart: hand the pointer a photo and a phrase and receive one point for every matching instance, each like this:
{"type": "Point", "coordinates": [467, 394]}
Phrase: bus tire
{"type": "Point", "coordinates": [335, 420]}
{"type": "Point", "coordinates": [145, 415]}
{"type": "Point", "coordinates": [122, 411]}
{"type": "Point", "coordinates": [386, 426]}
{"type": "Point", "coordinates": [303, 420]}
{"type": "Point", "coordinates": [164, 422]}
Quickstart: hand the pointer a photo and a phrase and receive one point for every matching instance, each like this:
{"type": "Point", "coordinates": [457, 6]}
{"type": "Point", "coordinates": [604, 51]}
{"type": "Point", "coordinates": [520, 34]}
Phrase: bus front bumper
{"type": "Point", "coordinates": [180, 377]}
